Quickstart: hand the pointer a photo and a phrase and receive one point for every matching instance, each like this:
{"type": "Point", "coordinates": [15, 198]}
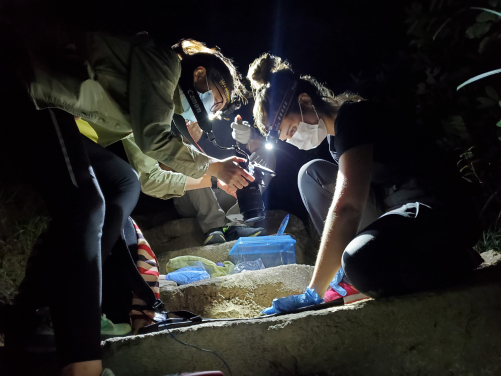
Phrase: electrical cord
{"type": "Point", "coordinates": [199, 348]}
{"type": "Point", "coordinates": [234, 147]}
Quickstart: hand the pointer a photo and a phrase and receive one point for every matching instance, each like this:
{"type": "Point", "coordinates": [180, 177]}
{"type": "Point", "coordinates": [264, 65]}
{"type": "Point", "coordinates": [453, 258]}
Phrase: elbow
{"type": "Point", "coordinates": [348, 211]}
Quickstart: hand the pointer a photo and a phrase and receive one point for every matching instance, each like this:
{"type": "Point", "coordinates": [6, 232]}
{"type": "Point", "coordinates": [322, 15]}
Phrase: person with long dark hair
{"type": "Point", "coordinates": [391, 211]}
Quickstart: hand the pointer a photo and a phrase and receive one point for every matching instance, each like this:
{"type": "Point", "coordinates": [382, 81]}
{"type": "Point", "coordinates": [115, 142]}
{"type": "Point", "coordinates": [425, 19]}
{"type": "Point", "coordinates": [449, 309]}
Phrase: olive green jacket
{"type": "Point", "coordinates": [154, 180]}
{"type": "Point", "coordinates": [119, 86]}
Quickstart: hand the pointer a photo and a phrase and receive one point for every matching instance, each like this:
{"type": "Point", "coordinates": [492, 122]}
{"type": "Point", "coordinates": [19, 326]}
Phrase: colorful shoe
{"type": "Point", "coordinates": [352, 294]}
{"type": "Point", "coordinates": [235, 232]}
{"type": "Point", "coordinates": [215, 236]}
{"type": "Point", "coordinates": [110, 330]}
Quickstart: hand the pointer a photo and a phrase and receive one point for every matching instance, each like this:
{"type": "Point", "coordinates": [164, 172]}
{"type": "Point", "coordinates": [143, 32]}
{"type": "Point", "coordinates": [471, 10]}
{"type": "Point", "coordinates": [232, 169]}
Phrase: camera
{"type": "Point", "coordinates": [249, 198]}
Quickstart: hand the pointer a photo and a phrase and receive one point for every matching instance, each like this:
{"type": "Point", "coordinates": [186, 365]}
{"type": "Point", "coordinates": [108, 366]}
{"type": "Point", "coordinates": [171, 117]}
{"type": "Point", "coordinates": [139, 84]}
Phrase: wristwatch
{"type": "Point", "coordinates": [213, 180]}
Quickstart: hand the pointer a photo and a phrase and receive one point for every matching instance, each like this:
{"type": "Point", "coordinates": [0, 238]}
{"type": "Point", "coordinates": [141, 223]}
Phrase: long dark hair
{"type": "Point", "coordinates": [195, 54]}
{"type": "Point", "coordinates": [270, 77]}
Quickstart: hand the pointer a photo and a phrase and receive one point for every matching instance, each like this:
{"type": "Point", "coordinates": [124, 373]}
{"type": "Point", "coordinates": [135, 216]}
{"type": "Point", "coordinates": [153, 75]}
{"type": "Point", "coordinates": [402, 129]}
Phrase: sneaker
{"type": "Point", "coordinates": [215, 236]}
{"type": "Point", "coordinates": [352, 294]}
{"type": "Point", "coordinates": [235, 232]}
{"type": "Point", "coordinates": [110, 330]}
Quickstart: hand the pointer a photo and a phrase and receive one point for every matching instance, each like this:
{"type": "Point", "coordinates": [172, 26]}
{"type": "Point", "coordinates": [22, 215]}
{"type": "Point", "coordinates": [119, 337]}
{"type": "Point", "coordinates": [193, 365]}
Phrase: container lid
{"type": "Point", "coordinates": [262, 240]}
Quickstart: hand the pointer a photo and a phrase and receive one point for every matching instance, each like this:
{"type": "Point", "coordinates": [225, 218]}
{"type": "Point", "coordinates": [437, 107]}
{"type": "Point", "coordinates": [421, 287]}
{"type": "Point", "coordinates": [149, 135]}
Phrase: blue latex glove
{"type": "Point", "coordinates": [335, 282]}
{"type": "Point", "coordinates": [292, 302]}
{"type": "Point", "coordinates": [188, 274]}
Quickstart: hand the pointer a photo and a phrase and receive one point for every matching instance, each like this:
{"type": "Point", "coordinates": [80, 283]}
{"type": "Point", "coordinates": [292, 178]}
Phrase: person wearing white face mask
{"type": "Point", "coordinates": [382, 164]}
{"type": "Point", "coordinates": [308, 136]}
{"type": "Point", "coordinates": [207, 98]}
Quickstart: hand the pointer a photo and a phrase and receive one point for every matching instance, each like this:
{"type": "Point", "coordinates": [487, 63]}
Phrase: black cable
{"type": "Point", "coordinates": [234, 147]}
{"type": "Point", "coordinates": [199, 348]}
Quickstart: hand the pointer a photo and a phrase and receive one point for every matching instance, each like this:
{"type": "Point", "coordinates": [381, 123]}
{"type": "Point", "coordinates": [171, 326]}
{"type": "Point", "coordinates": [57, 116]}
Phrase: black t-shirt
{"type": "Point", "coordinates": [401, 154]}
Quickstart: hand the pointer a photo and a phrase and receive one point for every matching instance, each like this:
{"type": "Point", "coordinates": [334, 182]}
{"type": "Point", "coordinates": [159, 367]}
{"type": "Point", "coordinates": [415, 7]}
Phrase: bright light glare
{"type": "Point", "coordinates": [269, 145]}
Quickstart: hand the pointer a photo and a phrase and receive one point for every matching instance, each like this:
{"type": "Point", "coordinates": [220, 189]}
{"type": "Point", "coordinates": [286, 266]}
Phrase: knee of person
{"type": "Point", "coordinates": [93, 207]}
{"type": "Point", "coordinates": [360, 259]}
{"type": "Point", "coordinates": [135, 184]}
{"type": "Point", "coordinates": [308, 172]}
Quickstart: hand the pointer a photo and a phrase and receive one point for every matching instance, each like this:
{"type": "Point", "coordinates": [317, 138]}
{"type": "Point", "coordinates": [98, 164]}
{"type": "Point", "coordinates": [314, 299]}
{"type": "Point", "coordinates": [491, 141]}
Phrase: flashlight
{"type": "Point", "coordinates": [271, 138]}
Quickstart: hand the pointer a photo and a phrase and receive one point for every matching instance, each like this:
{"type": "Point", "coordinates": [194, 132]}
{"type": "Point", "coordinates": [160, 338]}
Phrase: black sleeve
{"type": "Point", "coordinates": [357, 123]}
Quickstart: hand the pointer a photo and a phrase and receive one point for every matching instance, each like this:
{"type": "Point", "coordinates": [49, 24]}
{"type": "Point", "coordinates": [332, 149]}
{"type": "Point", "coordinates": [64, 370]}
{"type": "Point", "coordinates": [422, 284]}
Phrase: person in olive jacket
{"type": "Point", "coordinates": [50, 75]}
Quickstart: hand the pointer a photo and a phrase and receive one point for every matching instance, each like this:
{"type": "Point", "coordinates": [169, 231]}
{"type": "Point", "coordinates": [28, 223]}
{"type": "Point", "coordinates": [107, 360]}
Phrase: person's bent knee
{"type": "Point", "coordinates": [367, 268]}
{"type": "Point", "coordinates": [93, 209]}
{"type": "Point", "coordinates": [309, 172]}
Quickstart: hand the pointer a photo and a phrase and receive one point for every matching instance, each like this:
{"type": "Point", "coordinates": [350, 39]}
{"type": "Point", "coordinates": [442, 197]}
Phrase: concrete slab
{"type": "Point", "coordinates": [447, 332]}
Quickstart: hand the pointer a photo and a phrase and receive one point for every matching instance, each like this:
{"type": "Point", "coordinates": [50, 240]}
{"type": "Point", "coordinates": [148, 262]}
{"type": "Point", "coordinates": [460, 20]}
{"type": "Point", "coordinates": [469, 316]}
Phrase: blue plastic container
{"type": "Point", "coordinates": [272, 250]}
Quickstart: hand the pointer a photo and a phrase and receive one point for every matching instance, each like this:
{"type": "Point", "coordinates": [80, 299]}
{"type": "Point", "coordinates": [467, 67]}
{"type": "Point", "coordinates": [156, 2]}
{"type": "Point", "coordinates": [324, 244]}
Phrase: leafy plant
{"type": "Point", "coordinates": [491, 240]}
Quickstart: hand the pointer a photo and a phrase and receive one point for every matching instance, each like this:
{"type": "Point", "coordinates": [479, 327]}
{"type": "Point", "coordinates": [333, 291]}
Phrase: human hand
{"type": "Point", "coordinates": [195, 130]}
{"type": "Point", "coordinates": [242, 130]}
{"type": "Point", "coordinates": [293, 302]}
{"type": "Point", "coordinates": [226, 188]}
{"type": "Point", "coordinates": [229, 172]}
{"type": "Point", "coordinates": [336, 281]}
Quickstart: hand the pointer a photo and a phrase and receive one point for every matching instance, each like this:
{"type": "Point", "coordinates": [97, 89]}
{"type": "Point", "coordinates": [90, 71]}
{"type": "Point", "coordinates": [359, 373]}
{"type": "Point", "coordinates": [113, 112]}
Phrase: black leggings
{"type": "Point", "coordinates": [408, 249]}
{"type": "Point", "coordinates": [84, 186]}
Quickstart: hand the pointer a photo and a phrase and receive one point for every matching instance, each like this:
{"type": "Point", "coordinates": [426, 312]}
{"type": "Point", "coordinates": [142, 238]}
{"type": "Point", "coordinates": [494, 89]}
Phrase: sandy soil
{"type": "Point", "coordinates": [240, 295]}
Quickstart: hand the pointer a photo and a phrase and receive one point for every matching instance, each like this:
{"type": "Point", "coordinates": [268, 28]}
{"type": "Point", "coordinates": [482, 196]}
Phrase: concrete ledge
{"type": "Point", "coordinates": [446, 332]}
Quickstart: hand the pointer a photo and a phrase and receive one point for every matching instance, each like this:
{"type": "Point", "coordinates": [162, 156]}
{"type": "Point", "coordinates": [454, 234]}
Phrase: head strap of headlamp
{"type": "Point", "coordinates": [215, 76]}
{"type": "Point", "coordinates": [282, 110]}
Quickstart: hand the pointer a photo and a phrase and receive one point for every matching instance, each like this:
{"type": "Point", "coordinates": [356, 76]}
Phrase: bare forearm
{"type": "Point", "coordinates": [340, 228]}
{"type": "Point", "coordinates": [203, 182]}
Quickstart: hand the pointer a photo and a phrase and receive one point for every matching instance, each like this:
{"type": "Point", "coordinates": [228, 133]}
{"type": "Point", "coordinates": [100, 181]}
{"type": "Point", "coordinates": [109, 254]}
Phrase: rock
{"type": "Point", "coordinates": [445, 332]}
{"type": "Point", "coordinates": [490, 258]}
{"type": "Point", "coordinates": [239, 295]}
{"type": "Point", "coordinates": [166, 283]}
{"type": "Point", "coordinates": [175, 235]}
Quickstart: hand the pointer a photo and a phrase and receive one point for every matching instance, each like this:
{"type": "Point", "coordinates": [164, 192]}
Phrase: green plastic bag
{"type": "Point", "coordinates": [211, 267]}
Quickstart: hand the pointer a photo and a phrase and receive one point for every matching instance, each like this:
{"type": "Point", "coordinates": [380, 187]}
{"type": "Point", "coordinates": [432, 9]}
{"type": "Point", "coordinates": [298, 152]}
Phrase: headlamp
{"type": "Point", "coordinates": [273, 134]}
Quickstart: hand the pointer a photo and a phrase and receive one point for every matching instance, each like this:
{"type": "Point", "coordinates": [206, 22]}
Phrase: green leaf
{"type": "Point", "coordinates": [484, 43]}
{"type": "Point", "coordinates": [487, 16]}
{"type": "Point", "coordinates": [478, 30]}
{"type": "Point", "coordinates": [488, 10]}
{"type": "Point", "coordinates": [485, 102]}
{"type": "Point", "coordinates": [491, 93]}
{"type": "Point", "coordinates": [480, 76]}
{"type": "Point", "coordinates": [498, 123]}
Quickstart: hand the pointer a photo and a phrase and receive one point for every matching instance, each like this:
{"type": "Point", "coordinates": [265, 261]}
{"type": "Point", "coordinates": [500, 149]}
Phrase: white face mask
{"type": "Point", "coordinates": [207, 100]}
{"type": "Point", "coordinates": [308, 136]}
